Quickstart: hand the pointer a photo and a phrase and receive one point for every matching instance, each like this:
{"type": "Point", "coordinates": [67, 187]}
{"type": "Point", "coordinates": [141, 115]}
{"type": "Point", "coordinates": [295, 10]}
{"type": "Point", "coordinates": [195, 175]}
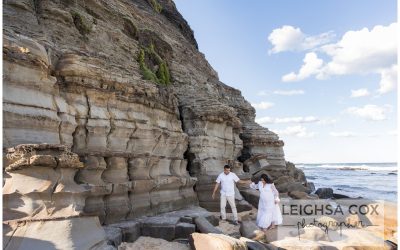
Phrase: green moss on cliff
{"type": "Point", "coordinates": [153, 67]}
{"type": "Point", "coordinates": [81, 25]}
{"type": "Point", "coordinates": [163, 74]}
{"type": "Point", "coordinates": [156, 5]}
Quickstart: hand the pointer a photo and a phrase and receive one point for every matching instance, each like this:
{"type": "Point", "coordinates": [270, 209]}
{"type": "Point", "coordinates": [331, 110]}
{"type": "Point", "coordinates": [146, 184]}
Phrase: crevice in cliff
{"type": "Point", "coordinates": [158, 140]}
{"type": "Point", "coordinates": [112, 127]}
{"type": "Point", "coordinates": [87, 118]}
{"type": "Point", "coordinates": [186, 155]}
{"type": "Point", "coordinates": [9, 237]}
{"type": "Point", "coordinates": [54, 187]}
{"type": "Point", "coordinates": [37, 8]}
{"type": "Point", "coordinates": [131, 138]}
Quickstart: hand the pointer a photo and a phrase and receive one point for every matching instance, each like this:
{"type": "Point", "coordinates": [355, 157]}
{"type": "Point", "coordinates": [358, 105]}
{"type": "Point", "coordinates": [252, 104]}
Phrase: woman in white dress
{"type": "Point", "coordinates": [269, 214]}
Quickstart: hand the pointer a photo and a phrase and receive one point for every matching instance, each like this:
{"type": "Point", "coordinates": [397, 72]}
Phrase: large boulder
{"type": "Point", "coordinates": [310, 187]}
{"type": "Point", "coordinates": [297, 186]}
{"type": "Point", "coordinates": [215, 241]}
{"type": "Point", "coordinates": [252, 196]}
{"type": "Point", "coordinates": [130, 230]}
{"type": "Point", "coordinates": [250, 230]}
{"type": "Point", "coordinates": [256, 245]}
{"type": "Point", "coordinates": [183, 230]}
{"type": "Point", "coordinates": [160, 227]}
{"type": "Point", "coordinates": [324, 193]}
{"type": "Point", "coordinates": [296, 173]}
{"type": "Point", "coordinates": [204, 226]}
{"type": "Point", "coordinates": [71, 233]}
{"type": "Point", "coordinates": [298, 195]}
{"type": "Point", "coordinates": [283, 182]}
{"type": "Point", "coordinates": [340, 196]}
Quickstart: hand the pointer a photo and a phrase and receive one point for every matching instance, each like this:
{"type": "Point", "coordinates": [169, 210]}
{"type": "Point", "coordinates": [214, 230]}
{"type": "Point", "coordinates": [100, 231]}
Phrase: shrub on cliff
{"type": "Point", "coordinates": [153, 67]}
{"type": "Point", "coordinates": [155, 5]}
{"type": "Point", "coordinates": [81, 25]}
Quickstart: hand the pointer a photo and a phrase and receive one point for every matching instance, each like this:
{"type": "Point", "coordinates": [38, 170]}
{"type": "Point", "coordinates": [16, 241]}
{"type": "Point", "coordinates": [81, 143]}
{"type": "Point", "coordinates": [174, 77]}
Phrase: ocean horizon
{"type": "Point", "coordinates": [341, 163]}
{"type": "Point", "coordinates": [376, 181]}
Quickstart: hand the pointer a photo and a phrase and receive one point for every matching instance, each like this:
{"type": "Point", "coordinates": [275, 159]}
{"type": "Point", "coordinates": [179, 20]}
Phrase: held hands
{"type": "Point", "coordinates": [243, 183]}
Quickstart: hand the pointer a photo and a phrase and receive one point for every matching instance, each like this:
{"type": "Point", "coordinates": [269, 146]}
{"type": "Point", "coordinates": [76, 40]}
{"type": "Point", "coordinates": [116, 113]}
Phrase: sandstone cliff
{"type": "Point", "coordinates": [120, 86]}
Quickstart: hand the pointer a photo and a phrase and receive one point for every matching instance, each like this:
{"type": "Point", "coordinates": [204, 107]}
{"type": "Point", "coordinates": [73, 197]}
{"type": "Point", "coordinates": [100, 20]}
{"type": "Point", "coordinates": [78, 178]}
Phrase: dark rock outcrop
{"type": "Point", "coordinates": [324, 193]}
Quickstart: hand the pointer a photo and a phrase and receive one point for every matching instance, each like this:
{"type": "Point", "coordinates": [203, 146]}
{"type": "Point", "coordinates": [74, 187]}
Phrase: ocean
{"type": "Point", "coordinates": [368, 180]}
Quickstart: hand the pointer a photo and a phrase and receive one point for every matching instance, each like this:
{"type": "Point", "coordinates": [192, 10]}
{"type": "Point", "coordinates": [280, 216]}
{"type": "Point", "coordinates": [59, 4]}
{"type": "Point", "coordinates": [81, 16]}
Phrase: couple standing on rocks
{"type": "Point", "coordinates": [268, 215]}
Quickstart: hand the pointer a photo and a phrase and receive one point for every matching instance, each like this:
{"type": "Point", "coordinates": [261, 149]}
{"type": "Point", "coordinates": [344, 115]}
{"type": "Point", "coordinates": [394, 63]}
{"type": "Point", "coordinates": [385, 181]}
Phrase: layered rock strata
{"type": "Point", "coordinates": [42, 202]}
{"type": "Point", "coordinates": [73, 78]}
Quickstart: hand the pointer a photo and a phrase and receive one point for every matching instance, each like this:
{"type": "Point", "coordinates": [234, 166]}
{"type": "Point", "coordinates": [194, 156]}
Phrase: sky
{"type": "Point", "coordinates": [321, 74]}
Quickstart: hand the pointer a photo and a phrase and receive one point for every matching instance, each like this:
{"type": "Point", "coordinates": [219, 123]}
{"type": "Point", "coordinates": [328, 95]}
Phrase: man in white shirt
{"type": "Point", "coordinates": [227, 179]}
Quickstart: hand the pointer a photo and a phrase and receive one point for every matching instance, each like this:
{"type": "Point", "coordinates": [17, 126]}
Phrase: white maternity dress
{"type": "Point", "coordinates": [268, 211]}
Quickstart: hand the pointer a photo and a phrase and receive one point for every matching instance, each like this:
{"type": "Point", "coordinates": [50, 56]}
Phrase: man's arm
{"type": "Point", "coordinates": [242, 182]}
{"type": "Point", "coordinates": [215, 190]}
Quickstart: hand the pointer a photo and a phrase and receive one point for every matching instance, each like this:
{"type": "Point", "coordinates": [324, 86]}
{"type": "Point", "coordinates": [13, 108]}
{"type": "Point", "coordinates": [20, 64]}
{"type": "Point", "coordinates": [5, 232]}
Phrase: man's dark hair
{"type": "Point", "coordinates": [227, 166]}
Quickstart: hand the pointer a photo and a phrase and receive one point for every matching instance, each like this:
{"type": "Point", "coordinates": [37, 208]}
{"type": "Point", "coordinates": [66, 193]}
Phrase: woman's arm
{"type": "Point", "coordinates": [276, 193]}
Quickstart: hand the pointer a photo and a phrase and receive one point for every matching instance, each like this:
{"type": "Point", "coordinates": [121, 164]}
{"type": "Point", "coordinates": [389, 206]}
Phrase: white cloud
{"type": "Point", "coordinates": [370, 112]}
{"type": "Point", "coordinates": [347, 134]}
{"type": "Point", "coordinates": [266, 121]}
{"type": "Point", "coordinates": [327, 121]}
{"type": "Point", "coordinates": [270, 120]}
{"type": "Point", "coordinates": [342, 134]}
{"type": "Point", "coordinates": [298, 131]}
{"type": "Point", "coordinates": [289, 38]}
{"type": "Point", "coordinates": [312, 65]}
{"type": "Point", "coordinates": [262, 93]}
{"type": "Point", "coordinates": [359, 93]}
{"type": "Point", "coordinates": [262, 105]}
{"type": "Point", "coordinates": [363, 51]}
{"type": "Point", "coordinates": [388, 80]}
{"type": "Point", "coordinates": [360, 52]}
{"type": "Point", "coordinates": [289, 92]}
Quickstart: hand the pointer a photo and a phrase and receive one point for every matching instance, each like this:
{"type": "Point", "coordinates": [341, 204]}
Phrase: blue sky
{"type": "Point", "coordinates": [322, 74]}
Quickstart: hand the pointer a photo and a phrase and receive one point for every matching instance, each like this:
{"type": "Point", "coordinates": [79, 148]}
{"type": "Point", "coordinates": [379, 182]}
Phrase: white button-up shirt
{"type": "Point", "coordinates": [227, 182]}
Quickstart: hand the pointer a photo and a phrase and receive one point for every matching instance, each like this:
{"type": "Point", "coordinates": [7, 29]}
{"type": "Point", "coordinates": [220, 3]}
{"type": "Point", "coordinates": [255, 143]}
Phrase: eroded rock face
{"type": "Point", "coordinates": [128, 136]}
{"type": "Point", "coordinates": [72, 78]}
{"type": "Point", "coordinates": [40, 183]}
{"type": "Point", "coordinates": [42, 201]}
